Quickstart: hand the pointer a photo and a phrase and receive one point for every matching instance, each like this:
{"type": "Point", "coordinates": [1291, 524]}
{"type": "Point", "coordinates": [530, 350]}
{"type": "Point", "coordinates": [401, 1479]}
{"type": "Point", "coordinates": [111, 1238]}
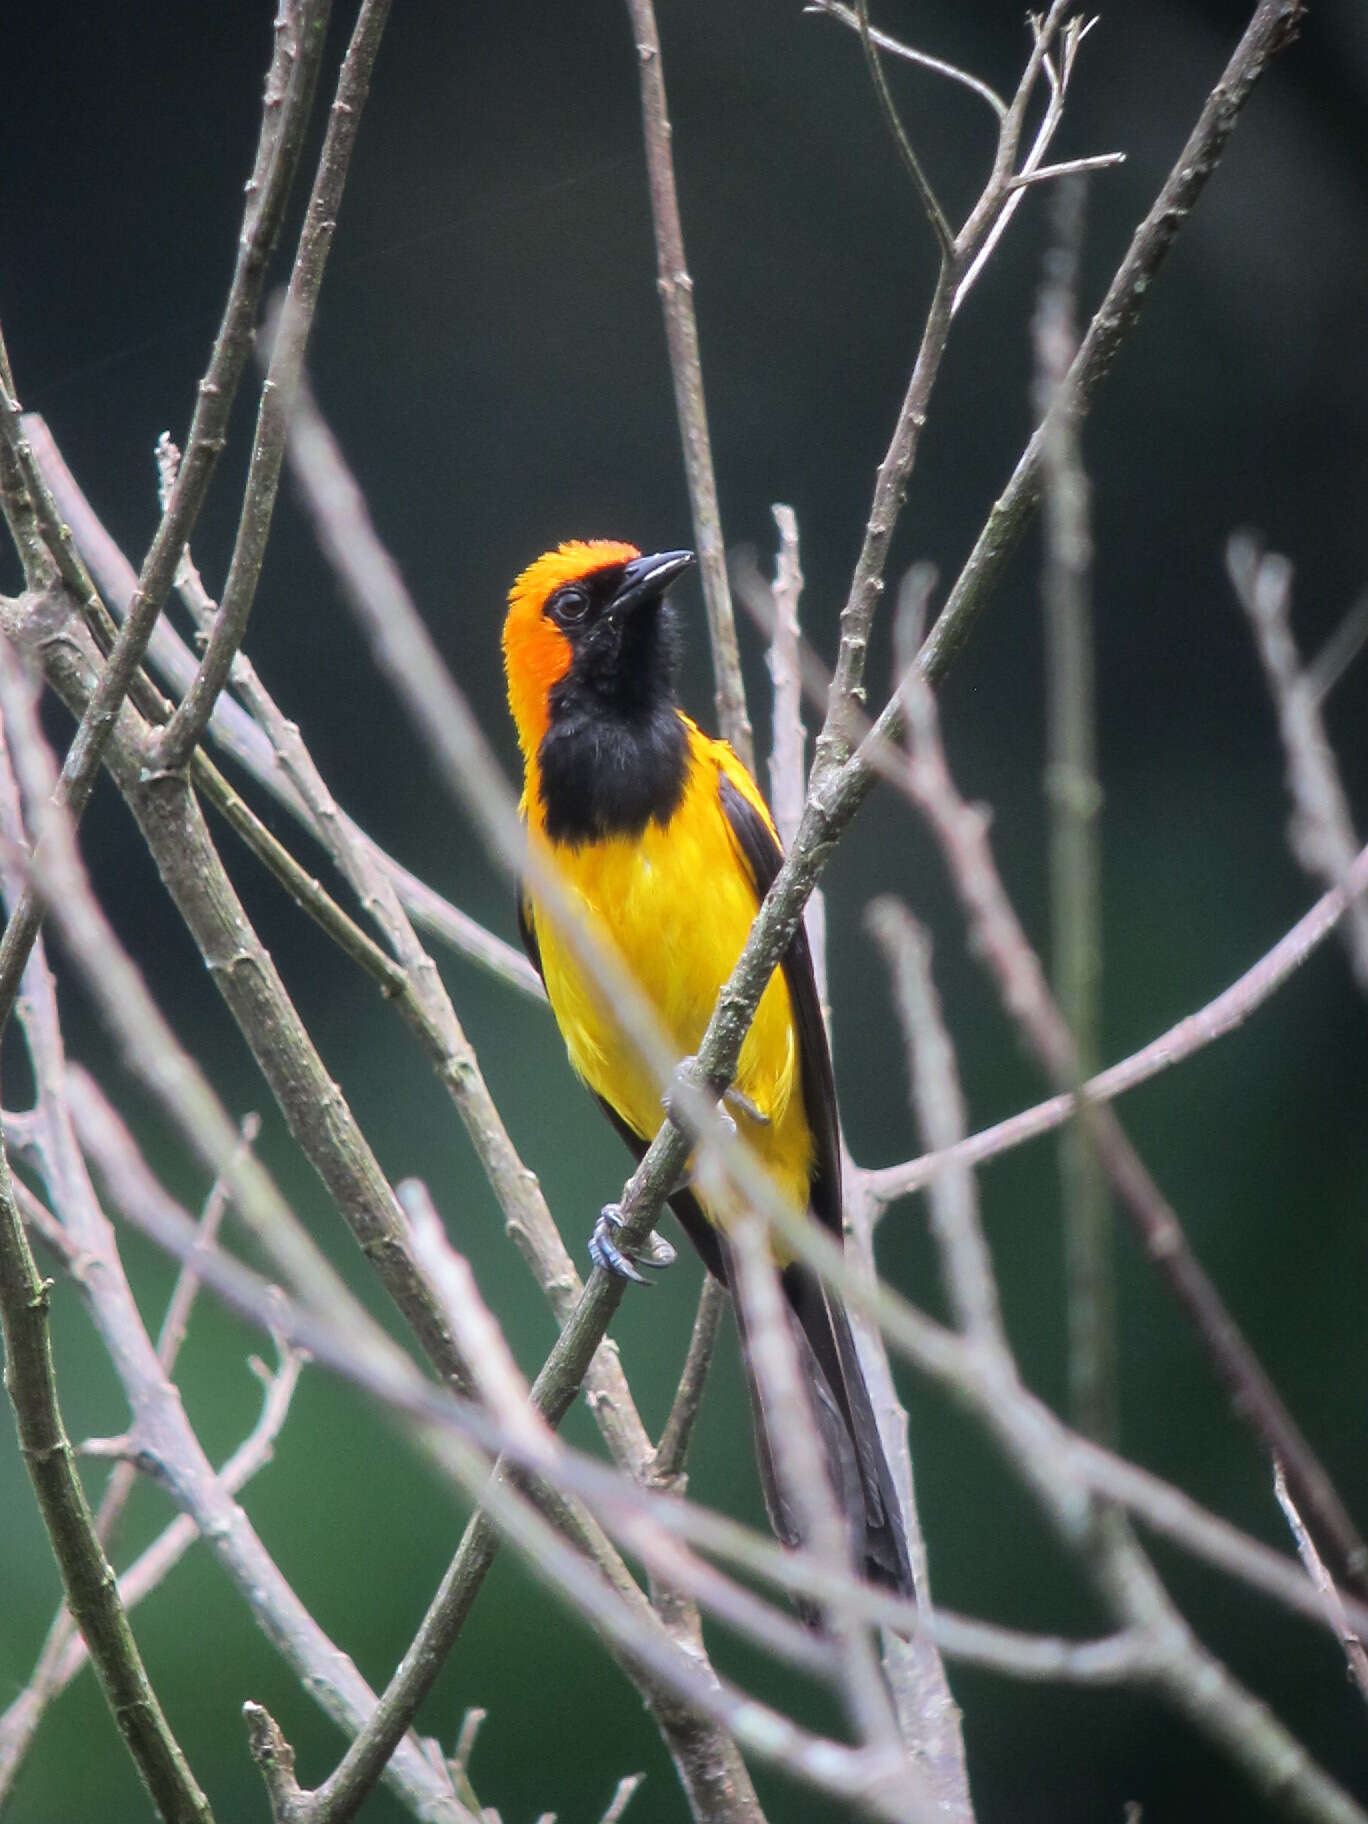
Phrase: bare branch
{"type": "Point", "coordinates": [788, 767]}
{"type": "Point", "coordinates": [621, 1798]}
{"type": "Point", "coordinates": [1070, 167]}
{"type": "Point", "coordinates": [672, 1451]}
{"type": "Point", "coordinates": [930, 203]}
{"type": "Point", "coordinates": [278, 390]}
{"type": "Point", "coordinates": [681, 334]}
{"type": "Point", "coordinates": [847, 16]}
{"type": "Point", "coordinates": [1074, 803]}
{"type": "Point", "coordinates": [939, 1103]}
{"type": "Point", "coordinates": [1354, 1653]}
{"type": "Point", "coordinates": [1322, 833]}
{"type": "Point", "coordinates": [1339, 651]}
{"type": "Point", "coordinates": [774, 606]}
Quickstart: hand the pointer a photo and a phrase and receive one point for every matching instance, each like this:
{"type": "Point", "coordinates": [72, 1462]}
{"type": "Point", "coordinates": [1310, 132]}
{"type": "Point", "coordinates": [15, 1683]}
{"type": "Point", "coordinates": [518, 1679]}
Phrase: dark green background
{"type": "Point", "coordinates": [490, 351]}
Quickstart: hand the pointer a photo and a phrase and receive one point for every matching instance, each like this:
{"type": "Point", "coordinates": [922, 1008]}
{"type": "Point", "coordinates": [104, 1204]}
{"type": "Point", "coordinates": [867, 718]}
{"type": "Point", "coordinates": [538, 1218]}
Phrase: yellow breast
{"type": "Point", "coordinates": [677, 902]}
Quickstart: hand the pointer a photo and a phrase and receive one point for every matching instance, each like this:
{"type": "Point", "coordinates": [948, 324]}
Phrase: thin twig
{"type": "Point", "coordinates": [672, 1451]}
{"type": "Point", "coordinates": [622, 1797]}
{"type": "Point", "coordinates": [16, 495]}
{"type": "Point", "coordinates": [1074, 802]}
{"type": "Point", "coordinates": [1322, 833]}
{"type": "Point", "coordinates": [681, 335]}
{"type": "Point", "coordinates": [1352, 1643]}
{"type": "Point", "coordinates": [1069, 167]}
{"type": "Point", "coordinates": [847, 16]}
{"type": "Point", "coordinates": [1225, 1014]}
{"type": "Point", "coordinates": [1339, 651]}
{"type": "Point", "coordinates": [939, 1103]}
{"type": "Point", "coordinates": [930, 203]}
{"type": "Point", "coordinates": [278, 390]}
{"type": "Point", "coordinates": [1032, 169]}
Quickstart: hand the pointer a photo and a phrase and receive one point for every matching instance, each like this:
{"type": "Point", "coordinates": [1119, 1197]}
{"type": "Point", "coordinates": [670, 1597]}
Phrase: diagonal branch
{"type": "Point", "coordinates": [289, 91]}
{"type": "Point", "coordinates": [1322, 834]}
{"type": "Point", "coordinates": [681, 334]}
{"type": "Point", "coordinates": [278, 391]}
{"type": "Point", "coordinates": [940, 227]}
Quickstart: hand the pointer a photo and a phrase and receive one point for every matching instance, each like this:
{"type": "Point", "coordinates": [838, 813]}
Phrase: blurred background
{"type": "Point", "coordinates": [490, 352]}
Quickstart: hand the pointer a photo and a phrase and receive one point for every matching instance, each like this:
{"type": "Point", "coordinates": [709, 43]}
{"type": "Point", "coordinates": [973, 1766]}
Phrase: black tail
{"type": "Point", "coordinates": [849, 1435]}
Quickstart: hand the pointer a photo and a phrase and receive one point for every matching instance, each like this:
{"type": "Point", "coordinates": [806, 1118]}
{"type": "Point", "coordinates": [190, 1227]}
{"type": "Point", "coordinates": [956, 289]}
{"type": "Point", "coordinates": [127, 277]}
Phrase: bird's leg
{"type": "Point", "coordinates": [655, 1251]}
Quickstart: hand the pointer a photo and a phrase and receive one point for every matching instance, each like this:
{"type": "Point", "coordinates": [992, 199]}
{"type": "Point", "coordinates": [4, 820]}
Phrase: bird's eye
{"type": "Point", "coordinates": [568, 607]}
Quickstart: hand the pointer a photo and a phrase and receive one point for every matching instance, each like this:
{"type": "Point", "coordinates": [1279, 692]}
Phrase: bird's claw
{"type": "Point", "coordinates": [743, 1105]}
{"type": "Point", "coordinates": [654, 1252]}
{"type": "Point", "coordinates": [731, 1097]}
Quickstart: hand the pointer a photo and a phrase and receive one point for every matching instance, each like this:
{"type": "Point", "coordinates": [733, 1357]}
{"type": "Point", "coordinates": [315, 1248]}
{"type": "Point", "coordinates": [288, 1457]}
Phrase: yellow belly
{"type": "Point", "coordinates": [678, 908]}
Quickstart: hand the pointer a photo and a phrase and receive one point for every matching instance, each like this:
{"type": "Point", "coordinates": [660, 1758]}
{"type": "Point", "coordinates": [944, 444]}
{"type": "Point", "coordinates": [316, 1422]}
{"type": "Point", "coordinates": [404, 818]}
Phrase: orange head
{"type": "Point", "coordinates": [563, 611]}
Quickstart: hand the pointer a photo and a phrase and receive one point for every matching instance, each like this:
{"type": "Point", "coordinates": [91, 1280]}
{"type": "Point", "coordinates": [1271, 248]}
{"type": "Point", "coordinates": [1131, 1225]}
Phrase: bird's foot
{"type": "Point", "coordinates": [655, 1251]}
{"type": "Point", "coordinates": [743, 1105]}
{"type": "Point", "coordinates": [685, 1079]}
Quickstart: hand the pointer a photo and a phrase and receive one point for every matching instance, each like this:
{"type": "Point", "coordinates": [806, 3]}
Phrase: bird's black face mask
{"type": "Point", "coordinates": [615, 755]}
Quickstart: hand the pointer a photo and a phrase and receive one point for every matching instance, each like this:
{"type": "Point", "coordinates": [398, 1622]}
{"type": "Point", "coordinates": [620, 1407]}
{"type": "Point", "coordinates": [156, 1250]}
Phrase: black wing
{"type": "Point", "coordinates": [831, 1364]}
{"type": "Point", "coordinates": [684, 1204]}
{"type": "Point", "coordinates": [528, 933]}
{"type": "Point", "coordinates": [764, 858]}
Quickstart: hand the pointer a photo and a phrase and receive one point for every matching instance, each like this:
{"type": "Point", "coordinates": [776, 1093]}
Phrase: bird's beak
{"type": "Point", "coordinates": [647, 578]}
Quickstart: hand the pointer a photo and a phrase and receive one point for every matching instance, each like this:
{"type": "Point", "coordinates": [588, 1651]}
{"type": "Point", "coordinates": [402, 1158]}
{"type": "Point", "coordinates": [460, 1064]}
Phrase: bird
{"type": "Point", "coordinates": [663, 842]}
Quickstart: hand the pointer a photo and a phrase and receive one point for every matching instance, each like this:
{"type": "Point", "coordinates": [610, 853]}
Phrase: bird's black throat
{"type": "Point", "coordinates": [615, 755]}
